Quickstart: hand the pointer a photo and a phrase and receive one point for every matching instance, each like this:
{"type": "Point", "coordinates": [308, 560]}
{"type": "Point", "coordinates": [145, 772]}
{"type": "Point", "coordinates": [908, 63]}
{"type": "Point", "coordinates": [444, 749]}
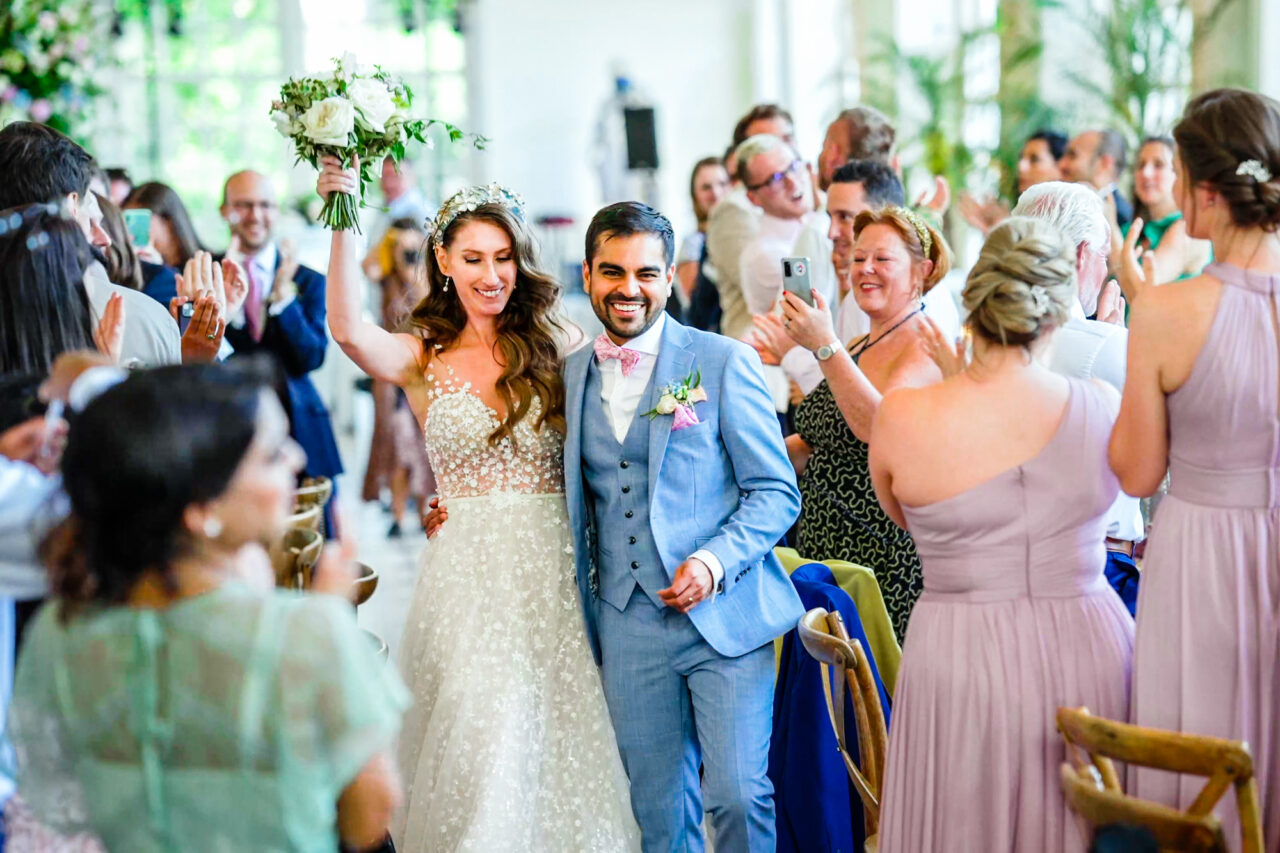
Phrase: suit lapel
{"type": "Point", "coordinates": [575, 381]}
{"type": "Point", "coordinates": [675, 362]}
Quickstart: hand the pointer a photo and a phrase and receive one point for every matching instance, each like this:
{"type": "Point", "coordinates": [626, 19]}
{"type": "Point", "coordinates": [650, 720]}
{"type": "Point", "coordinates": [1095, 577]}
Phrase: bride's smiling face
{"type": "Point", "coordinates": [482, 263]}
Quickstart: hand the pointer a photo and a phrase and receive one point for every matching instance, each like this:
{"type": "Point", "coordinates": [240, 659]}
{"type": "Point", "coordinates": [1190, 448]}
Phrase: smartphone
{"type": "Point", "coordinates": [795, 278]}
{"type": "Point", "coordinates": [185, 313]}
{"type": "Point", "coordinates": [137, 221]}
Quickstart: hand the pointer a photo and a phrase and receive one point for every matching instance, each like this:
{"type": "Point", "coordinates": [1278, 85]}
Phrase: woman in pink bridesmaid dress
{"type": "Point", "coordinates": [1000, 475]}
{"type": "Point", "coordinates": [1202, 398]}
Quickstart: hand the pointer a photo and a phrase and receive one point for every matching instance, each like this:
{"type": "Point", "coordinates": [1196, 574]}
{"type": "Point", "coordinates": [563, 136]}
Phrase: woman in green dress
{"type": "Point", "coordinates": [1164, 233]}
{"type": "Point", "coordinates": [168, 697]}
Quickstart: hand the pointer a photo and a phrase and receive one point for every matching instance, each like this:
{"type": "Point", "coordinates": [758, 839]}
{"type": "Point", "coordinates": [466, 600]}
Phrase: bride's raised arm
{"type": "Point", "coordinates": [379, 353]}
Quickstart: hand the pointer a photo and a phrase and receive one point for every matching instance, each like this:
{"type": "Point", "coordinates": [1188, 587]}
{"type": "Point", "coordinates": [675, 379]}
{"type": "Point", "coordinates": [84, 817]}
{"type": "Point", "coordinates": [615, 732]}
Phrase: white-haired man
{"type": "Point", "coordinates": [1092, 349]}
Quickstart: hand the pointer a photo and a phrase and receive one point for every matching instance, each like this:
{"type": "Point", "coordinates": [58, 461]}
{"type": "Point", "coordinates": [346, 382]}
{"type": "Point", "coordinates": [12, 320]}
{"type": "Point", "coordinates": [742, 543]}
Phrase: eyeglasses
{"type": "Point", "coordinates": [777, 178]}
{"type": "Point", "coordinates": [248, 206]}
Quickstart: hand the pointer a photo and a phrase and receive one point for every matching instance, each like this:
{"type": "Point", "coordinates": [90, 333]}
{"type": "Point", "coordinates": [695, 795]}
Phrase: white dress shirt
{"type": "Point", "coordinates": [1090, 349]}
{"type": "Point", "coordinates": [621, 396]}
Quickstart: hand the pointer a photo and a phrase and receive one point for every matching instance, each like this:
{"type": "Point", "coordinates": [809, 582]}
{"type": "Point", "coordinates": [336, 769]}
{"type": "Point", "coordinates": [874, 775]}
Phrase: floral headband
{"type": "Point", "coordinates": [467, 200]}
{"type": "Point", "coordinates": [918, 223]}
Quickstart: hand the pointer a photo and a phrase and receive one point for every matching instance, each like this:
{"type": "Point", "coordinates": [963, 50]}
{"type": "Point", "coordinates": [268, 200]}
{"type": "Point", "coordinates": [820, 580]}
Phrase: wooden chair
{"type": "Point", "coordinates": [306, 519]}
{"type": "Point", "coordinates": [1092, 785]}
{"type": "Point", "coordinates": [294, 556]}
{"type": "Point", "coordinates": [826, 640]}
{"type": "Point", "coordinates": [365, 584]}
{"type": "Point", "coordinates": [314, 491]}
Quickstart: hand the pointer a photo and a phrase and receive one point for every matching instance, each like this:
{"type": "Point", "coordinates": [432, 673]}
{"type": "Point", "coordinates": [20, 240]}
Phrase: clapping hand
{"type": "Point", "coordinates": [1111, 304]}
{"type": "Point", "coordinates": [691, 586]}
{"type": "Point", "coordinates": [335, 572]}
{"type": "Point", "coordinates": [201, 283]}
{"type": "Point", "coordinates": [108, 337]}
{"type": "Point", "coordinates": [1136, 279]}
{"type": "Point", "coordinates": [950, 357]}
{"type": "Point", "coordinates": [770, 338]}
{"type": "Point", "coordinates": [941, 198]}
{"type": "Point", "coordinates": [983, 215]}
{"type": "Point", "coordinates": [283, 289]}
{"type": "Point", "coordinates": [35, 442]}
{"type": "Point", "coordinates": [235, 286]}
{"type": "Point", "coordinates": [809, 326]}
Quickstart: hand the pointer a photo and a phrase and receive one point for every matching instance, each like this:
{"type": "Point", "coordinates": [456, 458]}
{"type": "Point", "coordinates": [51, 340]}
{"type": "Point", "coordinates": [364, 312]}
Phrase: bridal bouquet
{"type": "Point", "coordinates": [355, 111]}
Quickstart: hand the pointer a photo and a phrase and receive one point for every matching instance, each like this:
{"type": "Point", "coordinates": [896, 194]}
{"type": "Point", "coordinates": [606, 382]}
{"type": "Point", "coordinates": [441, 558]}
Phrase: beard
{"type": "Point", "coordinates": [628, 327]}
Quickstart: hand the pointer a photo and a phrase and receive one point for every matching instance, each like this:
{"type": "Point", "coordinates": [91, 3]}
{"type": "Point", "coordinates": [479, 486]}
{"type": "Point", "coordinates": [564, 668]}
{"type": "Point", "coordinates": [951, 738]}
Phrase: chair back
{"type": "Point", "coordinates": [827, 641]}
{"type": "Point", "coordinates": [314, 491]}
{"type": "Point", "coordinates": [1092, 745]}
{"type": "Point", "coordinates": [307, 519]}
{"type": "Point", "coordinates": [364, 584]}
{"type": "Point", "coordinates": [294, 555]}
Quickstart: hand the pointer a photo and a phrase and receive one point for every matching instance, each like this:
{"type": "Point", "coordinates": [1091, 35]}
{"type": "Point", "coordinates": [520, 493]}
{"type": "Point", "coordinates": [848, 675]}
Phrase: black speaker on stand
{"type": "Point", "coordinates": [642, 148]}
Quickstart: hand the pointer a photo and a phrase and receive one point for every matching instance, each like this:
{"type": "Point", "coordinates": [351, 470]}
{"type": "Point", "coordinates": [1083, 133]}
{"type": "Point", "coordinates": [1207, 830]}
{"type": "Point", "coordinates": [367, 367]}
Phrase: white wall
{"type": "Point", "coordinates": [541, 69]}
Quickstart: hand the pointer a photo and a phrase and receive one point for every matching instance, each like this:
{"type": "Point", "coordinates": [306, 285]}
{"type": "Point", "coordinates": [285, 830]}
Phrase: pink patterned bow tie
{"type": "Point", "coordinates": [607, 349]}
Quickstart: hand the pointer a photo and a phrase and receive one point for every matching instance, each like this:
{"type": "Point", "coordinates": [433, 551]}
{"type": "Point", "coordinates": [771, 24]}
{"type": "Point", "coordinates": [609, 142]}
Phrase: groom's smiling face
{"type": "Point", "coordinates": [629, 282]}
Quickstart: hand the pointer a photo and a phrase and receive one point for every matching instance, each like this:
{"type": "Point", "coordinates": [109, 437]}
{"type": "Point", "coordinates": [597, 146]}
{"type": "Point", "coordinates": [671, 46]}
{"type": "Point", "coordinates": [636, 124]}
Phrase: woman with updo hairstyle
{"type": "Point", "coordinates": [166, 698]}
{"type": "Point", "coordinates": [1000, 474]}
{"type": "Point", "coordinates": [1202, 400]}
{"type": "Point", "coordinates": [897, 258]}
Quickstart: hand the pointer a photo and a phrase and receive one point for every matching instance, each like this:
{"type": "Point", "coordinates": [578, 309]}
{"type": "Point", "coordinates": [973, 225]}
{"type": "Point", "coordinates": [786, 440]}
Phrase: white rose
{"type": "Point", "coordinates": [329, 122]}
{"type": "Point", "coordinates": [666, 405]}
{"type": "Point", "coordinates": [284, 122]}
{"type": "Point", "coordinates": [697, 395]}
{"type": "Point", "coordinates": [374, 102]}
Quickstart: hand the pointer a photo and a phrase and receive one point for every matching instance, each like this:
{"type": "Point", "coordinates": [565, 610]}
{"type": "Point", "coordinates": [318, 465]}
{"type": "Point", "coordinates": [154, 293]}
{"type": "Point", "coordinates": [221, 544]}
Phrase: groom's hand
{"type": "Point", "coordinates": [692, 585]}
{"type": "Point", "coordinates": [435, 519]}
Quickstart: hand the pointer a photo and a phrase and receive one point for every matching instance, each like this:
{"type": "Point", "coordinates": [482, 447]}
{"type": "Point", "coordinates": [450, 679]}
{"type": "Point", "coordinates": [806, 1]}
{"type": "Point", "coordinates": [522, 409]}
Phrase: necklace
{"type": "Point", "coordinates": [869, 344]}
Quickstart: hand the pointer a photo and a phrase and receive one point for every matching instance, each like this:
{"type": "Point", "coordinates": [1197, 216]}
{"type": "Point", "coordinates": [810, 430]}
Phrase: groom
{"type": "Point", "coordinates": [678, 485]}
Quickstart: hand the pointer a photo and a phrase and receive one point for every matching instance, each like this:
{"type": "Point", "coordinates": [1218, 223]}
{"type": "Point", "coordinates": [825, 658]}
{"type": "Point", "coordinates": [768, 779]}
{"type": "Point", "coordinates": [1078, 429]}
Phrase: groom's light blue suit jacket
{"type": "Point", "coordinates": [725, 485]}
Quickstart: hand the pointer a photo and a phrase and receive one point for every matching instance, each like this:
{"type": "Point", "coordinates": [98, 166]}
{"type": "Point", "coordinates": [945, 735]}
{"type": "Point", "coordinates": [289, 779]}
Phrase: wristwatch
{"type": "Point", "coordinates": [825, 351]}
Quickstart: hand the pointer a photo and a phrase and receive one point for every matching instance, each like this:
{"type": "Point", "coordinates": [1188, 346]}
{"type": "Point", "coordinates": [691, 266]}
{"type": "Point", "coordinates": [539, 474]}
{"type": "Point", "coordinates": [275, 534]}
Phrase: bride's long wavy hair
{"type": "Point", "coordinates": [530, 335]}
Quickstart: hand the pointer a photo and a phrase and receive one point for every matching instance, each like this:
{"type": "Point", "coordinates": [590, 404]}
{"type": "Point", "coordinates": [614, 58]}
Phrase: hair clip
{"type": "Point", "coordinates": [1255, 170]}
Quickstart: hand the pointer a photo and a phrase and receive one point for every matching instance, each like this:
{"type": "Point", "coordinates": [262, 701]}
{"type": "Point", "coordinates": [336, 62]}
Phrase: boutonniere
{"type": "Point", "coordinates": [677, 399]}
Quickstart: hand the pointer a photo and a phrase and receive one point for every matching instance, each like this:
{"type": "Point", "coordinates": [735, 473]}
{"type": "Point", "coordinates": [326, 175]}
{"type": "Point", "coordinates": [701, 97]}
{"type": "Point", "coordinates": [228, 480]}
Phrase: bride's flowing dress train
{"type": "Point", "coordinates": [508, 745]}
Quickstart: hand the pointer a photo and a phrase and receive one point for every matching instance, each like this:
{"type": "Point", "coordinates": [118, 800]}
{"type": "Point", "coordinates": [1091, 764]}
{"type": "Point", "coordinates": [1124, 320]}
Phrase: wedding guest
{"type": "Point", "coordinates": [173, 236]}
{"type": "Point", "coordinates": [1037, 163]}
{"type": "Point", "coordinates": [696, 297]}
{"type": "Point", "coordinates": [402, 200]}
{"type": "Point", "coordinates": [1164, 231]}
{"type": "Point", "coordinates": [1092, 349]}
{"type": "Point", "coordinates": [398, 450]}
{"type": "Point", "coordinates": [897, 258]}
{"type": "Point", "coordinates": [1000, 475]}
{"type": "Point", "coordinates": [40, 165]}
{"type": "Point", "coordinates": [44, 310]}
{"type": "Point", "coordinates": [856, 186]}
{"type": "Point", "coordinates": [734, 222]}
{"type": "Point", "coordinates": [119, 185]}
{"type": "Point", "coordinates": [1098, 158]}
{"type": "Point", "coordinates": [1201, 400]}
{"type": "Point", "coordinates": [283, 315]}
{"type": "Point", "coordinates": [122, 263]}
{"type": "Point", "coordinates": [275, 718]}
{"type": "Point", "coordinates": [858, 133]}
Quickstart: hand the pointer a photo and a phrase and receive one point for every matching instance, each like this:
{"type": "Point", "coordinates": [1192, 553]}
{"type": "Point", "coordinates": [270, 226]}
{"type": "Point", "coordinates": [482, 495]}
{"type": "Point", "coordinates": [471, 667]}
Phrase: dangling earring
{"type": "Point", "coordinates": [447, 281]}
{"type": "Point", "coordinates": [212, 527]}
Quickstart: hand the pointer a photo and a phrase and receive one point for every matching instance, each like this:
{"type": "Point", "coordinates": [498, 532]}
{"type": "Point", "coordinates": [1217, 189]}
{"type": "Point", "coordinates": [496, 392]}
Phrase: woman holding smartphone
{"type": "Point", "coordinates": [897, 258]}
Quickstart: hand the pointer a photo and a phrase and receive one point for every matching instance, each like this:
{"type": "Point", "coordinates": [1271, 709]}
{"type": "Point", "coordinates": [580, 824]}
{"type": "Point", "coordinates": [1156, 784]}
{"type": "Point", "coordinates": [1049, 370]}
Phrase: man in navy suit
{"type": "Point", "coordinates": [284, 314]}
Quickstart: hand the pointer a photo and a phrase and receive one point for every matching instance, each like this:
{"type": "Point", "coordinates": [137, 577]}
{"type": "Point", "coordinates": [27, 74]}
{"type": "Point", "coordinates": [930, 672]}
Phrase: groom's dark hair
{"type": "Point", "coordinates": [38, 164]}
{"type": "Point", "coordinates": [626, 218]}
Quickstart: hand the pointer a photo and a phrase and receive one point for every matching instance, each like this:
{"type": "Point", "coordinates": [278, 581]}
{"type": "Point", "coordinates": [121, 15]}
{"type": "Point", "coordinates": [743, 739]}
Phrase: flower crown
{"type": "Point", "coordinates": [918, 223]}
{"type": "Point", "coordinates": [467, 200]}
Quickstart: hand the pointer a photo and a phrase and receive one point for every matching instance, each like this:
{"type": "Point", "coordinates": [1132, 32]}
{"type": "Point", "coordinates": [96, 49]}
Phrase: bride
{"type": "Point", "coordinates": [508, 745]}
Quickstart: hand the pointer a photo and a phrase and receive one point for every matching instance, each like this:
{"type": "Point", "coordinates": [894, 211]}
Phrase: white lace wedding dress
{"type": "Point", "coordinates": [508, 745]}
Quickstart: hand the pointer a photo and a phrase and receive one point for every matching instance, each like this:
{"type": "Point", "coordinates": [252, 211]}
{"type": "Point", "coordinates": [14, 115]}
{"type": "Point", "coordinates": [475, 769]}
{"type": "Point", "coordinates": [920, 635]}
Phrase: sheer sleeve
{"type": "Point", "coordinates": [44, 751]}
{"type": "Point", "coordinates": [343, 703]}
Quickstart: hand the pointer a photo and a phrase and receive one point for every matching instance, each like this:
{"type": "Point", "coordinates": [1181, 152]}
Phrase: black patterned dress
{"type": "Point", "coordinates": [840, 518]}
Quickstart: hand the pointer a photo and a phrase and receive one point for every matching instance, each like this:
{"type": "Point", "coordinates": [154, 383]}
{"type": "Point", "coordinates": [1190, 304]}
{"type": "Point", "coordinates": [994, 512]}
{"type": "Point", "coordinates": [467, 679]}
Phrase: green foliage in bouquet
{"type": "Point", "coordinates": [357, 113]}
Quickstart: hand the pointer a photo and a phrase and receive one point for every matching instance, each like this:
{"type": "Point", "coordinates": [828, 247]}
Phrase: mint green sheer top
{"type": "Point", "coordinates": [228, 721]}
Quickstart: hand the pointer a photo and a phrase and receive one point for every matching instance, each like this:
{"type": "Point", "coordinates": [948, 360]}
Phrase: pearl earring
{"type": "Point", "coordinates": [447, 282]}
{"type": "Point", "coordinates": [212, 527]}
